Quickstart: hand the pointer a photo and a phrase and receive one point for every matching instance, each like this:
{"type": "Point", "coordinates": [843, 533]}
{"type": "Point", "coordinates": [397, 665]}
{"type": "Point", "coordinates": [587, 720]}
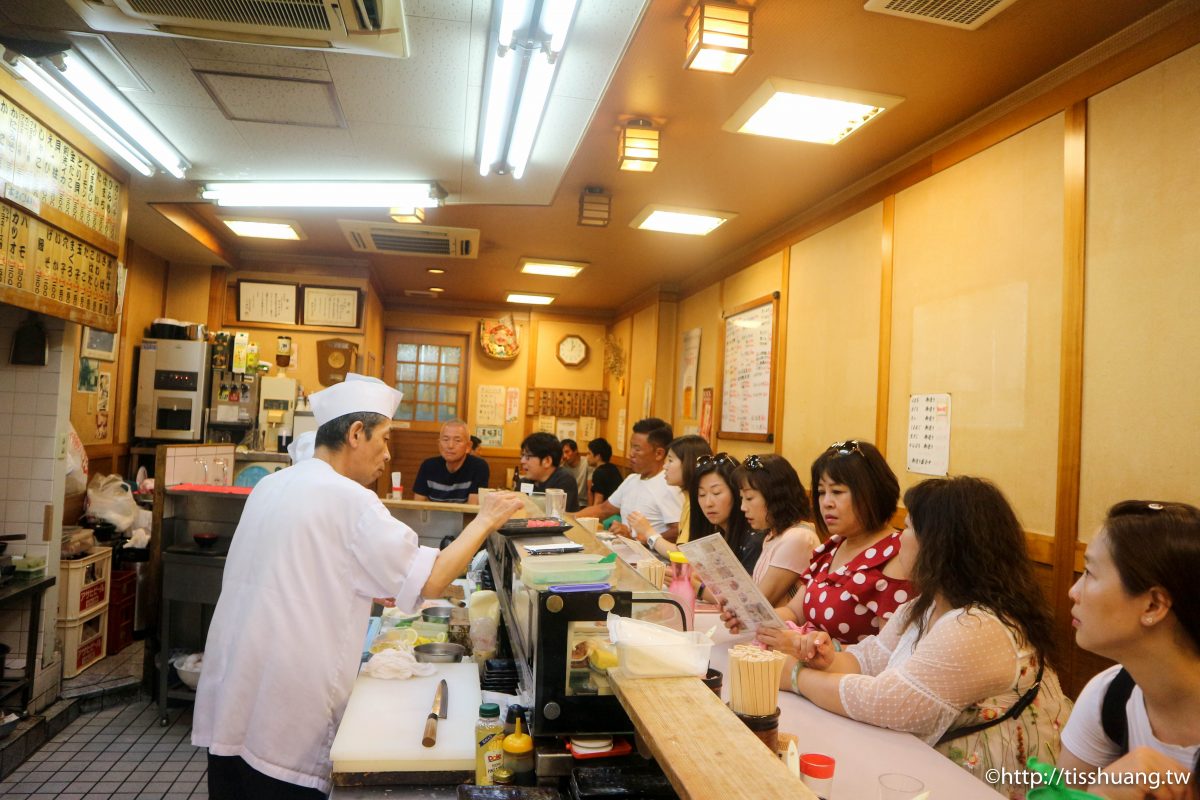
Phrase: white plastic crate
{"type": "Point", "coordinates": [83, 641]}
{"type": "Point", "coordinates": [85, 585]}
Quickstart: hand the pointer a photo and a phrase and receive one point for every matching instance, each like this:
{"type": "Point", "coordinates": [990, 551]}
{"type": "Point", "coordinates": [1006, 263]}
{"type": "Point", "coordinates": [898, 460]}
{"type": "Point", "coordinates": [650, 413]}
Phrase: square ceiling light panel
{"type": "Point", "coordinates": [674, 219]}
{"type": "Point", "coordinates": [526, 298]}
{"type": "Point", "coordinates": [808, 112]}
{"type": "Point", "coordinates": [265, 228]}
{"type": "Point", "coordinates": [554, 268]}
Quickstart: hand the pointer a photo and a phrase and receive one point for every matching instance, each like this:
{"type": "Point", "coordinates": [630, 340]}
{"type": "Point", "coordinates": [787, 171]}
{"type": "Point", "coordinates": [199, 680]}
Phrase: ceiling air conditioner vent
{"type": "Point", "coordinates": [410, 240]}
{"type": "Point", "coordinates": [419, 293]}
{"type": "Point", "coordinates": [368, 27]}
{"type": "Point", "coordinates": [967, 14]}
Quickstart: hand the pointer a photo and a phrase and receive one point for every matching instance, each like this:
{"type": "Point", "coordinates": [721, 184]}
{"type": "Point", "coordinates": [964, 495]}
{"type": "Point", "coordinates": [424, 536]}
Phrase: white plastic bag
{"type": "Point", "coordinates": [77, 464]}
{"type": "Point", "coordinates": [108, 498]}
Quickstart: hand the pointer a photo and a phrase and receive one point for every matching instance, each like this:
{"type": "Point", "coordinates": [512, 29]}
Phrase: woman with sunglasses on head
{"type": "Point", "coordinates": [1137, 603]}
{"type": "Point", "coordinates": [717, 508]}
{"type": "Point", "coordinates": [859, 576]}
{"type": "Point", "coordinates": [775, 503]}
{"type": "Point", "coordinates": [966, 665]}
{"type": "Point", "coordinates": [678, 469]}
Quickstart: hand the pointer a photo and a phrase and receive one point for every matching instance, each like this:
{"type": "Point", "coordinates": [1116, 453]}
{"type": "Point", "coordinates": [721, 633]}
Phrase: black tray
{"type": "Point", "coordinates": [619, 782]}
{"type": "Point", "coordinates": [467, 792]}
{"type": "Point", "coordinates": [520, 527]}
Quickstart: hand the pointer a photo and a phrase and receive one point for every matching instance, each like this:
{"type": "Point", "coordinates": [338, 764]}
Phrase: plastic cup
{"type": "Point", "coordinates": [898, 786]}
{"type": "Point", "coordinates": [589, 524]}
{"type": "Point", "coordinates": [556, 503]}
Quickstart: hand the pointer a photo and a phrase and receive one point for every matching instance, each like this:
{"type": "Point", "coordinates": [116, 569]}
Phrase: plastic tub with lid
{"type": "Point", "coordinates": [540, 572]}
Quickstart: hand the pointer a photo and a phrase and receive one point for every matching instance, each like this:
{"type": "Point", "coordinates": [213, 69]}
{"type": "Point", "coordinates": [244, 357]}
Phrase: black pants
{"type": "Point", "coordinates": [231, 778]}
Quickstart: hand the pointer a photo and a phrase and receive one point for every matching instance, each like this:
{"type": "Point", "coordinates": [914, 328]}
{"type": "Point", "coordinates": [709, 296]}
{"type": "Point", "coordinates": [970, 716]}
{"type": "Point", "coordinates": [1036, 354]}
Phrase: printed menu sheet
{"type": "Point", "coordinates": [727, 579]}
{"type": "Point", "coordinates": [929, 434]}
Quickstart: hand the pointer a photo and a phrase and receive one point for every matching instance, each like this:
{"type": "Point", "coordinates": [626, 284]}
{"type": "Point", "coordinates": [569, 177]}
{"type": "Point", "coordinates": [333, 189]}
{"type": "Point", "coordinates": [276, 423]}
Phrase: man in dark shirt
{"type": "Point", "coordinates": [606, 478]}
{"type": "Point", "coordinates": [455, 476]}
{"type": "Point", "coordinates": [541, 456]}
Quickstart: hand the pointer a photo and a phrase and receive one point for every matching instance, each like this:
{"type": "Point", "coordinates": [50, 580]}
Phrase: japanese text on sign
{"type": "Point", "coordinates": [929, 434]}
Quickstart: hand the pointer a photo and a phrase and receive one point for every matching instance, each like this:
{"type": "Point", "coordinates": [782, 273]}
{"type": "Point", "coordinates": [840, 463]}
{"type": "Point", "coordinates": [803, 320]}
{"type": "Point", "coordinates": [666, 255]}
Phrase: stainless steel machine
{"type": "Point", "coordinates": [172, 389]}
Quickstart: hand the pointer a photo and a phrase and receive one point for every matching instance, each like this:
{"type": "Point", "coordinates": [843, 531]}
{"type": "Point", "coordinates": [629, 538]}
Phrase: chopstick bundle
{"type": "Point", "coordinates": [754, 675]}
{"type": "Point", "coordinates": [653, 570]}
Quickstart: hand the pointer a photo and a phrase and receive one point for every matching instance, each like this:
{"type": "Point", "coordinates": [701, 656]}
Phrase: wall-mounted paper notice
{"type": "Point", "coordinates": [489, 408]}
{"type": "Point", "coordinates": [490, 435]}
{"type": "Point", "coordinates": [929, 434]}
{"type": "Point", "coordinates": [567, 429]}
{"type": "Point", "coordinates": [512, 404]}
{"type": "Point", "coordinates": [587, 430]}
{"type": "Point", "coordinates": [621, 417]}
{"type": "Point", "coordinates": [544, 425]}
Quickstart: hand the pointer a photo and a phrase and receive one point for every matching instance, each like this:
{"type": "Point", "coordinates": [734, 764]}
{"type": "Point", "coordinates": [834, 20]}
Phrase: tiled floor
{"type": "Point", "coordinates": [114, 672]}
{"type": "Point", "coordinates": [120, 753]}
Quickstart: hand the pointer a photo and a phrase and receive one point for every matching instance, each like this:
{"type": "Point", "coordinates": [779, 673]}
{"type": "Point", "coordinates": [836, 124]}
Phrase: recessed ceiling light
{"type": "Point", "coordinates": [672, 219]}
{"type": "Point", "coordinates": [436, 271]}
{"type": "Point", "coordinates": [530, 299]}
{"type": "Point", "coordinates": [262, 229]}
{"type": "Point", "coordinates": [808, 112]}
{"type": "Point", "coordinates": [436, 289]}
{"type": "Point", "coordinates": [554, 269]}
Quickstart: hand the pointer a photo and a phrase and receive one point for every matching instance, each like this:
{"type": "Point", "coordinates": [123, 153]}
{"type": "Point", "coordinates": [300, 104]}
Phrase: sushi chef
{"type": "Point", "coordinates": [312, 548]}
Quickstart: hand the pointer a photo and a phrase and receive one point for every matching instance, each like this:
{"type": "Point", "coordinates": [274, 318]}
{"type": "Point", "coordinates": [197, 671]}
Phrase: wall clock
{"type": "Point", "coordinates": [572, 350]}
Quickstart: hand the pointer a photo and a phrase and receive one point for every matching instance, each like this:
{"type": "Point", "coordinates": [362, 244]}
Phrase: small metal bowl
{"type": "Point", "coordinates": [439, 652]}
{"type": "Point", "coordinates": [437, 614]}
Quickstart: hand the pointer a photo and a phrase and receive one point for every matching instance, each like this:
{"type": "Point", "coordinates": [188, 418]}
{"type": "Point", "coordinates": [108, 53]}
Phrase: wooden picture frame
{"type": "Point", "coordinates": [98, 344]}
{"type": "Point", "coordinates": [265, 301]}
{"type": "Point", "coordinates": [756, 353]}
{"type": "Point", "coordinates": [331, 306]}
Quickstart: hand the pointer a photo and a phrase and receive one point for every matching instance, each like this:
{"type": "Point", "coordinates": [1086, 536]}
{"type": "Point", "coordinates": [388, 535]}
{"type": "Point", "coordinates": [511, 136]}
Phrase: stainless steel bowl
{"type": "Point", "coordinates": [437, 614]}
{"type": "Point", "coordinates": [440, 652]}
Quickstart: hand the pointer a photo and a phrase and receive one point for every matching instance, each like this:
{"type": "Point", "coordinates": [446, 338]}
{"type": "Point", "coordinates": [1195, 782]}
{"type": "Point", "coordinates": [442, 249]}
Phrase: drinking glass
{"type": "Point", "coordinates": [220, 476]}
{"type": "Point", "coordinates": [201, 465]}
{"type": "Point", "coordinates": [556, 503]}
{"type": "Point", "coordinates": [898, 786]}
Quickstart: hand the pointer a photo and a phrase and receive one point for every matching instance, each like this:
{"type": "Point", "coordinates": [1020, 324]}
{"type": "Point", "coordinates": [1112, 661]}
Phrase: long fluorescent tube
{"type": "Point", "coordinates": [55, 93]}
{"type": "Point", "coordinates": [530, 299]}
{"type": "Point", "coordinates": [323, 194]}
{"type": "Point", "coordinates": [91, 84]}
{"type": "Point", "coordinates": [505, 65]}
{"type": "Point", "coordinates": [538, 77]}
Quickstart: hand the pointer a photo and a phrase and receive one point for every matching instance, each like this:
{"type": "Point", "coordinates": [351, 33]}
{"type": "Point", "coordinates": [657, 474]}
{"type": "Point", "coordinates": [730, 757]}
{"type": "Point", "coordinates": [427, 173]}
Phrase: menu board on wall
{"type": "Point", "coordinates": [60, 223]}
{"type": "Point", "coordinates": [747, 378]}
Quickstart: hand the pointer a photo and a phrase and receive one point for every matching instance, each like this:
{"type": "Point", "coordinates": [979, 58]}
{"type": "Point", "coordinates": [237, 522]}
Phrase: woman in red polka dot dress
{"type": "Point", "coordinates": [858, 577]}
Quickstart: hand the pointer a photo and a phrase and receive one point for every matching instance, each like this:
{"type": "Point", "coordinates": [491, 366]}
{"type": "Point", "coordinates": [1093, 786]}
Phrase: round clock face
{"type": "Point", "coordinates": [572, 350]}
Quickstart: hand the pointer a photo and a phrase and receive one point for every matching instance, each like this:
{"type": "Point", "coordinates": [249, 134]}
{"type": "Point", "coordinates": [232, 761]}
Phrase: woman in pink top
{"type": "Point", "coordinates": [774, 501]}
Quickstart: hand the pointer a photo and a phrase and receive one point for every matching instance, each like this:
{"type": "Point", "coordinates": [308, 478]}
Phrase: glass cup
{"type": "Point", "coordinates": [220, 472]}
{"type": "Point", "coordinates": [556, 503]}
{"type": "Point", "coordinates": [898, 786]}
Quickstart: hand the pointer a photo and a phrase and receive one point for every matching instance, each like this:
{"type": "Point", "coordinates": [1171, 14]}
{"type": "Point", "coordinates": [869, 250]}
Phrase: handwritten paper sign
{"type": "Point", "coordinates": [746, 380]}
{"type": "Point", "coordinates": [489, 405]}
{"type": "Point", "coordinates": [929, 434]}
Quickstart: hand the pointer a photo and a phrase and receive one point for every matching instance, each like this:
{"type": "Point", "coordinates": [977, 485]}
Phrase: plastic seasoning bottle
{"type": "Point", "coordinates": [489, 738]}
{"type": "Point", "coordinates": [515, 711]}
{"type": "Point", "coordinates": [816, 771]}
{"type": "Point", "coordinates": [681, 585]}
{"type": "Point", "coordinates": [518, 756]}
{"type": "Point", "coordinates": [502, 777]}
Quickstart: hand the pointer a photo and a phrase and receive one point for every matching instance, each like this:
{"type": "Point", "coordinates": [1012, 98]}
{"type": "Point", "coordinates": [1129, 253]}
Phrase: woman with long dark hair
{"type": "Point", "coordinates": [966, 665]}
{"type": "Point", "coordinates": [717, 507]}
{"type": "Point", "coordinates": [678, 469]}
{"type": "Point", "coordinates": [1137, 603]}
{"type": "Point", "coordinates": [776, 504]}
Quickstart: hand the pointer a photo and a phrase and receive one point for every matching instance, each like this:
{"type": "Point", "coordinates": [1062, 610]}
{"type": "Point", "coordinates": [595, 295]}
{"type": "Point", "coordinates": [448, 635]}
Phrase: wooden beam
{"type": "Point", "coordinates": [180, 215]}
{"type": "Point", "coordinates": [883, 383]}
{"type": "Point", "coordinates": [781, 340]}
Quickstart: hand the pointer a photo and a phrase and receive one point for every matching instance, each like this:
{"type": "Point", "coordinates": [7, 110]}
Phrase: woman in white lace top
{"type": "Point", "coordinates": [964, 665]}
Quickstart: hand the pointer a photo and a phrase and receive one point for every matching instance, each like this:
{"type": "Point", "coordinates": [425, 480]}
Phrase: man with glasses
{"type": "Point", "coordinates": [646, 490]}
{"type": "Point", "coordinates": [541, 457]}
{"type": "Point", "coordinates": [454, 476]}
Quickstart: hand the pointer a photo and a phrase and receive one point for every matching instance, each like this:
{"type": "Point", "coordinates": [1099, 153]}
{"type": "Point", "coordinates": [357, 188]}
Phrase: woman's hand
{"type": "Point", "coordinates": [641, 527]}
{"type": "Point", "coordinates": [621, 529]}
{"type": "Point", "coordinates": [815, 649]}
{"type": "Point", "coordinates": [781, 639]}
{"type": "Point", "coordinates": [498, 508]}
{"type": "Point", "coordinates": [1147, 769]}
{"type": "Point", "coordinates": [729, 617]}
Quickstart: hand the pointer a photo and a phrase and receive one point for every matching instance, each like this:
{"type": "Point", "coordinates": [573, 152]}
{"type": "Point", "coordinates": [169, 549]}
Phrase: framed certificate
{"type": "Point", "coordinates": [267, 302]}
{"type": "Point", "coordinates": [331, 307]}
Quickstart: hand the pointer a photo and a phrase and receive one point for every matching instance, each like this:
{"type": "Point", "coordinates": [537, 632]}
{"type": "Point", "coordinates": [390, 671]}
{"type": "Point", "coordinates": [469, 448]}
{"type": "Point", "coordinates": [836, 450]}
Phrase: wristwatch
{"type": "Point", "coordinates": [652, 540]}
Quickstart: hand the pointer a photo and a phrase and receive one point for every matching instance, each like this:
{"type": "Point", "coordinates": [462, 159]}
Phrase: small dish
{"type": "Point", "coordinates": [205, 540]}
{"type": "Point", "coordinates": [439, 652]}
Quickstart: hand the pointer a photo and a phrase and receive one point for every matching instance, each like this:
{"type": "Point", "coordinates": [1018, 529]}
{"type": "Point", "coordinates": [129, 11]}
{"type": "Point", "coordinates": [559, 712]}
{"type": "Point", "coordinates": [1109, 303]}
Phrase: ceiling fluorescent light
{"type": "Point", "coordinates": [261, 229]}
{"type": "Point", "coordinates": [808, 112]}
{"type": "Point", "coordinates": [522, 63]}
{"type": "Point", "coordinates": [672, 219]}
{"type": "Point", "coordinates": [718, 37]}
{"type": "Point", "coordinates": [410, 215]}
{"type": "Point", "coordinates": [530, 299]}
{"type": "Point", "coordinates": [553, 269]}
{"type": "Point", "coordinates": [324, 194]}
{"type": "Point", "coordinates": [74, 108]}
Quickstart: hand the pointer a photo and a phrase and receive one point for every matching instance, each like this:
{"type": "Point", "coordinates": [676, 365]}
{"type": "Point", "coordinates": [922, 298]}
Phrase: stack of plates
{"type": "Point", "coordinates": [499, 675]}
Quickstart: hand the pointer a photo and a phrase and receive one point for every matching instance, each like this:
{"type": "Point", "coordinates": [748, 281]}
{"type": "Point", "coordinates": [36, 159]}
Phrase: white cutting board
{"type": "Point", "coordinates": [381, 729]}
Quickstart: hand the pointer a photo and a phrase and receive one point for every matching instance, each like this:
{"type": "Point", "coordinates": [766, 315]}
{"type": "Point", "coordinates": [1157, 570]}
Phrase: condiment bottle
{"type": "Point", "coordinates": [515, 712]}
{"type": "Point", "coordinates": [489, 738]}
{"type": "Point", "coordinates": [518, 756]}
{"type": "Point", "coordinates": [816, 772]}
{"type": "Point", "coordinates": [502, 777]}
{"type": "Point", "coordinates": [681, 585]}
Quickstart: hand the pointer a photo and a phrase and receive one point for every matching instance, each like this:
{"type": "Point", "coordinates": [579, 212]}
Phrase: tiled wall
{"type": "Point", "coordinates": [199, 464]}
{"type": "Point", "coordinates": [34, 414]}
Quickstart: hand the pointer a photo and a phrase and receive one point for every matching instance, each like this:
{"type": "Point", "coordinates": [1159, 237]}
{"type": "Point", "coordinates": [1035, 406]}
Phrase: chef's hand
{"type": "Point", "coordinates": [641, 527]}
{"type": "Point", "coordinates": [499, 507]}
{"type": "Point", "coordinates": [729, 617]}
{"type": "Point", "coordinates": [621, 529]}
{"type": "Point", "coordinates": [1141, 770]}
{"type": "Point", "coordinates": [386, 602]}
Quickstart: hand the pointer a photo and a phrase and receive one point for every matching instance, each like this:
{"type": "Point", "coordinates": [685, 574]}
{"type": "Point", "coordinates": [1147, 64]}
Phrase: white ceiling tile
{"type": "Point", "coordinates": [456, 10]}
{"type": "Point", "coordinates": [427, 88]}
{"type": "Point", "coordinates": [291, 151]}
{"type": "Point", "coordinates": [299, 73]}
{"type": "Point", "coordinates": [210, 142]}
{"type": "Point", "coordinates": [251, 54]}
{"type": "Point", "coordinates": [162, 66]}
{"type": "Point", "coordinates": [414, 153]}
{"type": "Point", "coordinates": [596, 41]}
{"type": "Point", "coordinates": [284, 101]}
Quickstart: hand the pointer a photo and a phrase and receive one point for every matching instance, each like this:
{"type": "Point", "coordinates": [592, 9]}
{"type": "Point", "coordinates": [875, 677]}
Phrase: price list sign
{"type": "Point", "coordinates": [929, 434]}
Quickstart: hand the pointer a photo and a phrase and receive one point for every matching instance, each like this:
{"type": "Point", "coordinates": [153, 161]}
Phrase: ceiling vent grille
{"type": "Point", "coordinates": [410, 240]}
{"type": "Point", "coordinates": [369, 27]}
{"type": "Point", "coordinates": [966, 14]}
{"type": "Point", "coordinates": [419, 293]}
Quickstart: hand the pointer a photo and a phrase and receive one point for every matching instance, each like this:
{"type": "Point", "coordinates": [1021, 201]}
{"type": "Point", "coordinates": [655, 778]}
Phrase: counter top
{"type": "Point", "coordinates": [429, 505]}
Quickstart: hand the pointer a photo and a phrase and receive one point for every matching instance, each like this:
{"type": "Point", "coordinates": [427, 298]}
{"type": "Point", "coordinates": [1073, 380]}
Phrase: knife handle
{"type": "Point", "coordinates": [429, 739]}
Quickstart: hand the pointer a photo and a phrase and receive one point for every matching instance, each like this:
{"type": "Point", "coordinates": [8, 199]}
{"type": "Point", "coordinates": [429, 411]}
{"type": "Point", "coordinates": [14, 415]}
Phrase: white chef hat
{"type": "Point", "coordinates": [357, 393]}
{"type": "Point", "coordinates": [303, 446]}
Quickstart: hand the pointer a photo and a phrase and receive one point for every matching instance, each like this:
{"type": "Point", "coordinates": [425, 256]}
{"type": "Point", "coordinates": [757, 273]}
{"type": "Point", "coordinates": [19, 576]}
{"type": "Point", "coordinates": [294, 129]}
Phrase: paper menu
{"type": "Point", "coordinates": [723, 575]}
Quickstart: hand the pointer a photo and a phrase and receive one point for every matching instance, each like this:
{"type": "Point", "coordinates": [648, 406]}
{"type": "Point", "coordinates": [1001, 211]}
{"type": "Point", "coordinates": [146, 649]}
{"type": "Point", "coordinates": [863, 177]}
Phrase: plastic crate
{"type": "Point", "coordinates": [124, 586]}
{"type": "Point", "coordinates": [83, 641]}
{"type": "Point", "coordinates": [120, 625]}
{"type": "Point", "coordinates": [85, 584]}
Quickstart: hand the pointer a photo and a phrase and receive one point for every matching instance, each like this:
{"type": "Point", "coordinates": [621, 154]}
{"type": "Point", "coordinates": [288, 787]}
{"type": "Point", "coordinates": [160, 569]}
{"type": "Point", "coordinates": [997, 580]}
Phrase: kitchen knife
{"type": "Point", "coordinates": [440, 701]}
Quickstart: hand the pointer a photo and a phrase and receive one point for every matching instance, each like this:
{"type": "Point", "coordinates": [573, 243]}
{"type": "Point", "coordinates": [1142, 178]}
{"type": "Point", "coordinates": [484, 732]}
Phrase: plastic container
{"type": "Point", "coordinates": [542, 572]}
{"type": "Point", "coordinates": [83, 641]}
{"type": "Point", "coordinates": [816, 772]}
{"type": "Point", "coordinates": [677, 657]}
{"type": "Point", "coordinates": [85, 584]}
{"type": "Point", "coordinates": [489, 743]}
{"type": "Point", "coordinates": [765, 727]}
{"type": "Point", "coordinates": [518, 756]}
{"type": "Point", "coordinates": [681, 586]}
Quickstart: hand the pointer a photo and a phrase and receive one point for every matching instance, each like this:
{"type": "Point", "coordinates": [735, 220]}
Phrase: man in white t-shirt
{"type": "Point", "coordinates": [645, 490]}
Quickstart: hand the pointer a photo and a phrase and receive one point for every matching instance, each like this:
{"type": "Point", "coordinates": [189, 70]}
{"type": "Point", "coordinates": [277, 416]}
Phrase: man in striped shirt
{"type": "Point", "coordinates": [454, 476]}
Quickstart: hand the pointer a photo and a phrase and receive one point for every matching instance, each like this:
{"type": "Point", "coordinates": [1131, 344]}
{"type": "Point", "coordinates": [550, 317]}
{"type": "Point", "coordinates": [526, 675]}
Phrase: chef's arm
{"type": "Point", "coordinates": [496, 509]}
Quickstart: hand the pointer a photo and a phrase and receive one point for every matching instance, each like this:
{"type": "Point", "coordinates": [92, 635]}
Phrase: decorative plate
{"type": "Point", "coordinates": [498, 339]}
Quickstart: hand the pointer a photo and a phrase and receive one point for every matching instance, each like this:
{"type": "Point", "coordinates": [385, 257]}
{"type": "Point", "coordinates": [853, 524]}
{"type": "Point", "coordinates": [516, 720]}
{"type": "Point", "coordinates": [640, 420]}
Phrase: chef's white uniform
{"type": "Point", "coordinates": [311, 550]}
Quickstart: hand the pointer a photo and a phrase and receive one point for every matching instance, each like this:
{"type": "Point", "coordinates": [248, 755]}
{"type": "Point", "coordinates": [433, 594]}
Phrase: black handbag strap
{"type": "Point", "coordinates": [1112, 709]}
{"type": "Point", "coordinates": [1015, 710]}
